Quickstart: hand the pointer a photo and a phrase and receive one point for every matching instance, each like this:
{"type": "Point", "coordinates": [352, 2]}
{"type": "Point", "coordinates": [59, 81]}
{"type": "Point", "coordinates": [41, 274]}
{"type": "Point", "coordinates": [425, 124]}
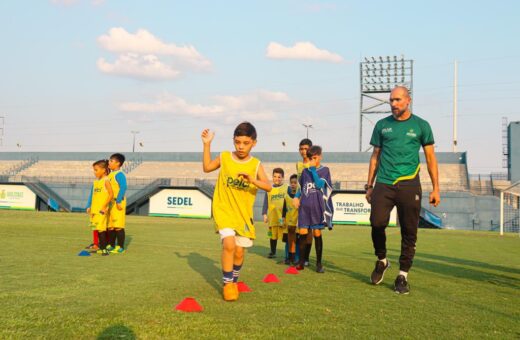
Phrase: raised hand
{"type": "Point", "coordinates": [207, 136]}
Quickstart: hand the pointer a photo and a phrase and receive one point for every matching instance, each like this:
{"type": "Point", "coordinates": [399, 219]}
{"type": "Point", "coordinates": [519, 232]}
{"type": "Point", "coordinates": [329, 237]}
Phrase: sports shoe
{"type": "Point", "coordinates": [236, 288]}
{"type": "Point", "coordinates": [118, 250]}
{"type": "Point", "coordinates": [401, 286]}
{"type": "Point", "coordinates": [319, 268]}
{"type": "Point", "coordinates": [103, 252]}
{"type": "Point", "coordinates": [300, 266]}
{"type": "Point", "coordinates": [379, 272]}
{"type": "Point", "coordinates": [92, 246]}
{"type": "Point", "coordinates": [271, 256]}
{"type": "Point", "coordinates": [230, 292]}
{"type": "Point", "coordinates": [110, 248]}
{"type": "Point", "coordinates": [307, 263]}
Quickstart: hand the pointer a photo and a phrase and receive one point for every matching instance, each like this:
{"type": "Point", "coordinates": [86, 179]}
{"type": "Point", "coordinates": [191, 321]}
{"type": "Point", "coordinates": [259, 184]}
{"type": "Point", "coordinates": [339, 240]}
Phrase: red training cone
{"type": "Point", "coordinates": [291, 270]}
{"type": "Point", "coordinates": [189, 305]}
{"type": "Point", "coordinates": [243, 288]}
{"type": "Point", "coordinates": [271, 278]}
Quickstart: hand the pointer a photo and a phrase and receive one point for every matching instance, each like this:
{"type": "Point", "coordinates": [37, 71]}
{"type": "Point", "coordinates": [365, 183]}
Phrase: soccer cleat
{"type": "Point", "coordinates": [118, 250]}
{"type": "Point", "coordinates": [300, 266]}
{"type": "Point", "coordinates": [110, 248]}
{"type": "Point", "coordinates": [379, 272]}
{"type": "Point", "coordinates": [401, 286]}
{"type": "Point", "coordinates": [92, 246]}
{"type": "Point", "coordinates": [103, 252]}
{"type": "Point", "coordinates": [319, 268]}
{"type": "Point", "coordinates": [271, 256]}
{"type": "Point", "coordinates": [236, 288]}
{"type": "Point", "coordinates": [306, 263]}
{"type": "Point", "coordinates": [230, 292]}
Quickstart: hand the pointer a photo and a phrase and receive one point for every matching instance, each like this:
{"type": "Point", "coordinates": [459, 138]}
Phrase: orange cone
{"type": "Point", "coordinates": [271, 278]}
{"type": "Point", "coordinates": [291, 270]}
{"type": "Point", "coordinates": [189, 305]}
{"type": "Point", "coordinates": [243, 288]}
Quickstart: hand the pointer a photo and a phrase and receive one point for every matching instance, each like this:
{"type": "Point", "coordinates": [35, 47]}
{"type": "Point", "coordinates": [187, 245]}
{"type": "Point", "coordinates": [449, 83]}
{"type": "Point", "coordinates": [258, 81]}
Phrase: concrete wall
{"type": "Point", "coordinates": [514, 151]}
{"type": "Point", "coordinates": [463, 210]}
{"type": "Point", "coordinates": [328, 157]}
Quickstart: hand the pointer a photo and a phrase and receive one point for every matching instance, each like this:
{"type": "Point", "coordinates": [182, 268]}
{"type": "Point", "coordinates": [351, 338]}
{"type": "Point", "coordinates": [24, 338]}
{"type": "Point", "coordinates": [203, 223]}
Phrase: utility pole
{"type": "Point", "coordinates": [455, 88]}
{"type": "Point", "coordinates": [133, 144]}
{"type": "Point", "coordinates": [307, 126]}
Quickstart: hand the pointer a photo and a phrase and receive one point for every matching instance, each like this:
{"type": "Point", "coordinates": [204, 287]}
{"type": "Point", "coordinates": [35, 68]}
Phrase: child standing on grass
{"type": "Point", "coordinates": [238, 180]}
{"type": "Point", "coordinates": [290, 216]}
{"type": "Point", "coordinates": [315, 205]}
{"type": "Point", "coordinates": [303, 147]}
{"type": "Point", "coordinates": [101, 195]}
{"type": "Point", "coordinates": [117, 212]}
{"type": "Point", "coordinates": [273, 210]}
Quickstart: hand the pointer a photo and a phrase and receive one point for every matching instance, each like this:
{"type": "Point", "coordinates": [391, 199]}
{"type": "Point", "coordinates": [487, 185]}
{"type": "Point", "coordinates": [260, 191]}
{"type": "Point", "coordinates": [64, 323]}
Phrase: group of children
{"type": "Point", "coordinates": [304, 207]}
{"type": "Point", "coordinates": [297, 212]}
{"type": "Point", "coordinates": [106, 206]}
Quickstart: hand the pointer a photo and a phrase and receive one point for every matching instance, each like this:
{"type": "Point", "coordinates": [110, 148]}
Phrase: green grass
{"type": "Point", "coordinates": [464, 285]}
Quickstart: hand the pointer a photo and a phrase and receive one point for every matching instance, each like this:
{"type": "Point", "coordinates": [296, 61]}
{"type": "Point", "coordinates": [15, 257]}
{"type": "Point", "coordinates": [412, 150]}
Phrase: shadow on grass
{"type": "Point", "coordinates": [457, 267]}
{"type": "Point", "coordinates": [117, 332]}
{"type": "Point", "coordinates": [206, 267]}
{"type": "Point", "coordinates": [128, 240]}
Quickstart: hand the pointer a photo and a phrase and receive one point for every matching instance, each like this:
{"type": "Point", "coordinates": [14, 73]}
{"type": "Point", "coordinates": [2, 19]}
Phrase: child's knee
{"type": "Point", "coordinates": [317, 233]}
{"type": "Point", "coordinates": [228, 244]}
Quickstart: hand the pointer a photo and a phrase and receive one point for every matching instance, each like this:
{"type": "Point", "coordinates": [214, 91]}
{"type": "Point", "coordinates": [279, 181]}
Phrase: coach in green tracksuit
{"type": "Point", "coordinates": [397, 140]}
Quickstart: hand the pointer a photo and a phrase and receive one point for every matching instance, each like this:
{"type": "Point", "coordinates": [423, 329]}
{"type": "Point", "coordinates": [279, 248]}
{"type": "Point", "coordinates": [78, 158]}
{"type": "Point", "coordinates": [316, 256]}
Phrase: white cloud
{"type": "Point", "coordinates": [302, 51]}
{"type": "Point", "coordinates": [64, 2]}
{"type": "Point", "coordinates": [258, 106]}
{"type": "Point", "coordinates": [118, 40]}
{"type": "Point", "coordinates": [138, 66]}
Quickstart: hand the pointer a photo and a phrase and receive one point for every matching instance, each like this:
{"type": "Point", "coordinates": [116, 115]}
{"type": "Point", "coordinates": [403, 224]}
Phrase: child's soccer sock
{"type": "Point", "coordinates": [102, 240]}
{"type": "Point", "coordinates": [303, 247]}
{"type": "Point", "coordinates": [112, 238]}
{"type": "Point", "coordinates": [405, 274]}
{"type": "Point", "coordinates": [297, 248]}
{"type": "Point", "coordinates": [287, 250]}
{"type": "Point", "coordinates": [307, 251]}
{"type": "Point", "coordinates": [319, 248]}
{"type": "Point", "coordinates": [236, 272]}
{"type": "Point", "coordinates": [227, 277]}
{"type": "Point", "coordinates": [291, 257]}
{"type": "Point", "coordinates": [95, 236]}
{"type": "Point", "coordinates": [273, 246]}
{"type": "Point", "coordinates": [120, 237]}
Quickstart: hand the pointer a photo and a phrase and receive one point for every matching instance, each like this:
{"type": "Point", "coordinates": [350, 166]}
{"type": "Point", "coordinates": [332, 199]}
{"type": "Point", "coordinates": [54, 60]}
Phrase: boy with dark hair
{"type": "Point", "coordinates": [303, 147]}
{"type": "Point", "coordinates": [290, 215]}
{"type": "Point", "coordinates": [117, 212]}
{"type": "Point", "coordinates": [239, 178]}
{"type": "Point", "coordinates": [273, 210]}
{"type": "Point", "coordinates": [315, 205]}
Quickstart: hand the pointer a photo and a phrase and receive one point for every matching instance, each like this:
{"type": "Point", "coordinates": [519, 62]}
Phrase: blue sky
{"type": "Point", "coordinates": [79, 75]}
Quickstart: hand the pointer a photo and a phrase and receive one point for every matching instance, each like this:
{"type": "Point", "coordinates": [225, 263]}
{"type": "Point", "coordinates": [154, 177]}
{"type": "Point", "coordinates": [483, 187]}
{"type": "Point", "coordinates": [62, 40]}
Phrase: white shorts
{"type": "Point", "coordinates": [240, 241]}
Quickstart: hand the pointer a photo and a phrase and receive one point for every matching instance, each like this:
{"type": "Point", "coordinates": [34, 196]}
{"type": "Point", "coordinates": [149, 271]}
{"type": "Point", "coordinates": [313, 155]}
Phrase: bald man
{"type": "Point", "coordinates": [394, 167]}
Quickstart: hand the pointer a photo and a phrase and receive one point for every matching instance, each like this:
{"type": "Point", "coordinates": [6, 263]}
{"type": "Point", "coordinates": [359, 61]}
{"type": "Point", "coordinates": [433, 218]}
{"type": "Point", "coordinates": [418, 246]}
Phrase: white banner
{"type": "Point", "coordinates": [180, 203]}
{"type": "Point", "coordinates": [354, 209]}
{"type": "Point", "coordinates": [17, 197]}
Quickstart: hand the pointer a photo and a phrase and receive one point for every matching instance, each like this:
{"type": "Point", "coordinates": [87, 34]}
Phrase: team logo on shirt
{"type": "Point", "coordinates": [309, 188]}
{"type": "Point", "coordinates": [277, 197]}
{"type": "Point", "coordinates": [411, 133]}
{"type": "Point", "coordinates": [237, 183]}
{"type": "Point", "coordinates": [386, 130]}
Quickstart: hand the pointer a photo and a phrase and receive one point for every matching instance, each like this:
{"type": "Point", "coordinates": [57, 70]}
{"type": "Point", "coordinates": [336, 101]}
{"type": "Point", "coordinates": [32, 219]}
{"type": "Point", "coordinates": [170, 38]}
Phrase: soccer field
{"type": "Point", "coordinates": [463, 285]}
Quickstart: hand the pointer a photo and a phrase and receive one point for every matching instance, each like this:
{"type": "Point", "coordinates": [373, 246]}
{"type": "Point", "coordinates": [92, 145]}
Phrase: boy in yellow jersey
{"type": "Point", "coordinates": [290, 215]}
{"type": "Point", "coordinates": [239, 178]}
{"type": "Point", "coordinates": [305, 145]}
{"type": "Point", "coordinates": [117, 212]}
{"type": "Point", "coordinates": [101, 195]}
{"type": "Point", "coordinates": [273, 210]}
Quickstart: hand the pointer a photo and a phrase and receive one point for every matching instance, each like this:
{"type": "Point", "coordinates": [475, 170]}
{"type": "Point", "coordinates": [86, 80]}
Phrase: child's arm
{"type": "Point", "coordinates": [121, 180]}
{"type": "Point", "coordinates": [89, 201]}
{"type": "Point", "coordinates": [109, 198]}
{"type": "Point", "coordinates": [261, 181]}
{"type": "Point", "coordinates": [264, 208]}
{"type": "Point", "coordinates": [208, 165]}
{"type": "Point", "coordinates": [320, 182]}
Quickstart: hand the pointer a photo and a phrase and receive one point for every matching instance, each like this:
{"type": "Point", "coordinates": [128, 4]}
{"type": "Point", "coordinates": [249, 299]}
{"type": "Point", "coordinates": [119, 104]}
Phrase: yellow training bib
{"type": "Point", "coordinates": [291, 215]}
{"type": "Point", "coordinates": [234, 198]}
{"type": "Point", "coordinates": [275, 200]}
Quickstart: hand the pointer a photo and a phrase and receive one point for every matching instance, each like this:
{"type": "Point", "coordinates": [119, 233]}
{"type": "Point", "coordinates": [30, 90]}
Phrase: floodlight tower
{"type": "Point", "coordinates": [378, 76]}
